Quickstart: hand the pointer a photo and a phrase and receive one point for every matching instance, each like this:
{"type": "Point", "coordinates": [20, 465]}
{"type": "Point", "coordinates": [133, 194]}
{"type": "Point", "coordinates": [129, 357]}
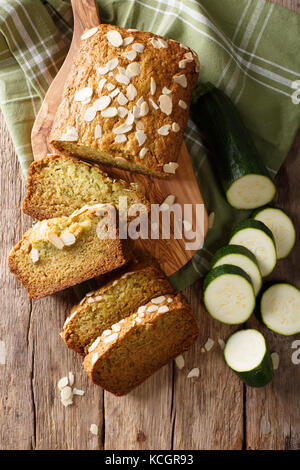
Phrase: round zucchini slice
{"type": "Point", "coordinates": [239, 256]}
{"type": "Point", "coordinates": [258, 238]}
{"type": "Point", "coordinates": [282, 228]}
{"type": "Point", "coordinates": [251, 191]}
{"type": "Point", "coordinates": [228, 294]}
{"type": "Point", "coordinates": [246, 353]}
{"type": "Point", "coordinates": [280, 308]}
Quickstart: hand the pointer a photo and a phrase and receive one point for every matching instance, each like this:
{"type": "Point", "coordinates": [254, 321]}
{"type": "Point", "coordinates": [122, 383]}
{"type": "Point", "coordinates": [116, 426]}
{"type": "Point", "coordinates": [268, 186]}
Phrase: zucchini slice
{"type": "Point", "coordinates": [239, 256]}
{"type": "Point", "coordinates": [228, 294]}
{"type": "Point", "coordinates": [282, 228]}
{"type": "Point", "coordinates": [247, 355]}
{"type": "Point", "coordinates": [258, 238]}
{"type": "Point", "coordinates": [280, 308]}
{"type": "Point", "coordinates": [242, 174]}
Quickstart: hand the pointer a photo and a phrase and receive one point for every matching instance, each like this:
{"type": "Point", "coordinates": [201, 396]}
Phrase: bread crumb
{"type": "Point", "coordinates": [94, 429]}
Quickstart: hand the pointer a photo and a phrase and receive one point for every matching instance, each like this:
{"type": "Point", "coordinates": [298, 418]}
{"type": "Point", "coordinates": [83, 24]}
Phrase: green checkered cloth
{"type": "Point", "coordinates": [248, 48]}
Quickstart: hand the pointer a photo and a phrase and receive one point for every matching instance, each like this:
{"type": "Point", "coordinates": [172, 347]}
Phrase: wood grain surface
{"type": "Point", "coordinates": [168, 411]}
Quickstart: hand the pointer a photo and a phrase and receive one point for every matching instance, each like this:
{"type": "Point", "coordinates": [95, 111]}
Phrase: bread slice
{"type": "Point", "coordinates": [111, 303]}
{"type": "Point", "coordinates": [139, 345]}
{"type": "Point", "coordinates": [58, 185]}
{"type": "Point", "coordinates": [60, 252]}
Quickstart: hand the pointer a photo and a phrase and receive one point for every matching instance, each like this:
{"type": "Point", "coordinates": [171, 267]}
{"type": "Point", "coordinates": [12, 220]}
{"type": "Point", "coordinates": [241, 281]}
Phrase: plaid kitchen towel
{"type": "Point", "coordinates": [249, 48]}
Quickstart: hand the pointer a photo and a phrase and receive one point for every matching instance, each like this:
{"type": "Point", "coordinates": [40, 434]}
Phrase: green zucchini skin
{"type": "Point", "coordinates": [230, 250]}
{"type": "Point", "coordinates": [232, 149]}
{"type": "Point", "coordinates": [261, 375]}
{"type": "Point", "coordinates": [224, 269]}
{"type": "Point", "coordinates": [252, 223]}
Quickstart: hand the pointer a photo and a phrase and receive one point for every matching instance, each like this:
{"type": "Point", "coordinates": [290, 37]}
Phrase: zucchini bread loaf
{"type": "Point", "coordinates": [126, 100]}
{"type": "Point", "coordinates": [135, 347]}
{"type": "Point", "coordinates": [59, 185]}
{"type": "Point", "coordinates": [60, 252]}
{"type": "Point", "coordinates": [111, 303]}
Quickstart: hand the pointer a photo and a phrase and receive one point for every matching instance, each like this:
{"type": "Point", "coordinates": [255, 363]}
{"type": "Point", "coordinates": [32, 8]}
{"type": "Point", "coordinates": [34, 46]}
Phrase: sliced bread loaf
{"type": "Point", "coordinates": [111, 303]}
{"type": "Point", "coordinates": [140, 344]}
{"type": "Point", "coordinates": [57, 186]}
{"type": "Point", "coordinates": [60, 252]}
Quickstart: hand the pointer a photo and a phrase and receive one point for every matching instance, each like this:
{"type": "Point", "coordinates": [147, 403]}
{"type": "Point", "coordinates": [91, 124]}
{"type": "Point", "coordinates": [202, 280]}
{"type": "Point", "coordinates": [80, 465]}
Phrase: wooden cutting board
{"type": "Point", "coordinates": [171, 253]}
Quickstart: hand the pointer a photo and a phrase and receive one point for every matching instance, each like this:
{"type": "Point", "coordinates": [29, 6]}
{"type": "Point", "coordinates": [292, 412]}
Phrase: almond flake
{"type": "Point", "coordinates": [112, 64]}
{"type": "Point", "coordinates": [122, 112]}
{"type": "Point", "coordinates": [275, 360]}
{"type": "Point", "coordinates": [179, 361]}
{"type": "Point", "coordinates": [98, 132]}
{"type": "Point", "coordinates": [164, 130]}
{"type": "Point", "coordinates": [131, 92]}
{"type": "Point", "coordinates": [181, 80]}
{"type": "Point", "coordinates": [122, 129]}
{"type": "Point", "coordinates": [90, 114]}
{"type": "Point", "coordinates": [183, 46]}
{"type": "Point", "coordinates": [102, 83]}
{"type": "Point", "coordinates": [158, 300]}
{"type": "Point", "coordinates": [133, 69]}
{"type": "Point", "coordinates": [103, 70]}
{"type": "Point", "coordinates": [163, 309]}
{"type": "Point", "coordinates": [83, 94]}
{"type": "Point", "coordinates": [209, 344]}
{"type": "Point", "coordinates": [182, 104]}
{"type": "Point", "coordinates": [182, 63]}
{"type": "Point", "coordinates": [120, 160]}
{"type": "Point", "coordinates": [122, 79]}
{"type": "Point", "coordinates": [130, 118]}
{"type": "Point", "coordinates": [55, 240]}
{"type": "Point", "coordinates": [71, 135]}
{"type": "Point", "coordinates": [102, 103]}
{"type": "Point", "coordinates": [110, 86]}
{"type": "Point", "coordinates": [189, 56]}
{"type": "Point", "coordinates": [168, 202]}
{"type": "Point", "coordinates": [68, 238]}
{"type": "Point", "coordinates": [95, 357]}
{"type": "Point", "coordinates": [153, 103]}
{"type": "Point", "coordinates": [155, 43]}
{"type": "Point", "coordinates": [115, 92]}
{"type": "Point", "coordinates": [34, 255]}
{"type": "Point", "coordinates": [110, 338]}
{"type": "Point", "coordinates": [109, 112]}
{"type": "Point", "coordinates": [175, 127]}
{"type": "Point", "coordinates": [66, 393]}
{"type": "Point", "coordinates": [128, 40]}
{"type": "Point", "coordinates": [62, 383]}
{"type": "Point", "coordinates": [193, 373]}
{"type": "Point", "coordinates": [138, 320]}
{"type": "Point", "coordinates": [115, 38]}
{"type": "Point", "coordinates": [141, 137]}
{"type": "Point", "coordinates": [141, 314]}
{"type": "Point", "coordinates": [143, 152]}
{"type": "Point", "coordinates": [165, 103]}
{"type": "Point", "coordinates": [221, 343]}
{"type": "Point", "coordinates": [136, 111]}
{"type": "Point", "coordinates": [94, 344]}
{"type": "Point", "coordinates": [116, 327]}
{"type": "Point", "coordinates": [130, 55]}
{"type": "Point", "coordinates": [76, 391]}
{"type": "Point", "coordinates": [139, 125]}
{"type": "Point", "coordinates": [163, 43]}
{"type": "Point", "coordinates": [152, 86]}
{"type": "Point", "coordinates": [141, 309]}
{"type": "Point", "coordinates": [106, 333]}
{"type": "Point", "coordinates": [152, 308]}
{"type": "Point", "coordinates": [120, 138]}
{"type": "Point", "coordinates": [94, 429]}
{"type": "Point", "coordinates": [170, 167]}
{"type": "Point", "coordinates": [170, 300]}
{"type": "Point", "coordinates": [122, 70]}
{"type": "Point", "coordinates": [122, 99]}
{"type": "Point", "coordinates": [166, 91]}
{"type": "Point", "coordinates": [90, 32]}
{"type": "Point", "coordinates": [144, 109]}
{"type": "Point", "coordinates": [138, 47]}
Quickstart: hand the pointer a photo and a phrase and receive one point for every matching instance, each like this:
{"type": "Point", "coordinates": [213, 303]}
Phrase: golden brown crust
{"type": "Point", "coordinates": [164, 65]}
{"type": "Point", "coordinates": [164, 335]}
{"type": "Point", "coordinates": [37, 207]}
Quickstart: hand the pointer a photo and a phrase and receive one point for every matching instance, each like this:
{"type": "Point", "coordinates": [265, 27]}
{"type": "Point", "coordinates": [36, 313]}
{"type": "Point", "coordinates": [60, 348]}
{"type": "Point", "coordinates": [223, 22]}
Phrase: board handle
{"type": "Point", "coordinates": [86, 15]}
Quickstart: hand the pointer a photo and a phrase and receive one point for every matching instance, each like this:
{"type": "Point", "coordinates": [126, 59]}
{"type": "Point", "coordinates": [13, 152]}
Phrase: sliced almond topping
{"type": "Point", "coordinates": [170, 167]}
{"type": "Point", "coordinates": [221, 343]}
{"type": "Point", "coordinates": [109, 112]}
{"type": "Point", "coordinates": [182, 63]}
{"type": "Point", "coordinates": [209, 344]}
{"type": "Point", "coordinates": [139, 125]}
{"type": "Point", "coordinates": [141, 309]}
{"type": "Point", "coordinates": [168, 202]}
{"type": "Point", "coordinates": [120, 138]}
{"type": "Point", "coordinates": [94, 344]}
{"type": "Point", "coordinates": [163, 43]}
{"type": "Point", "coordinates": [154, 105]}
{"type": "Point", "coordinates": [102, 83]}
{"type": "Point", "coordinates": [144, 109]}
{"type": "Point", "coordinates": [115, 38]}
{"type": "Point", "coordinates": [163, 309]}
{"type": "Point", "coordinates": [90, 114]}
{"type": "Point", "coordinates": [112, 64]}
{"type": "Point", "coordinates": [158, 300]}
{"type": "Point", "coordinates": [55, 240]}
{"type": "Point", "coordinates": [98, 298]}
{"type": "Point", "coordinates": [34, 255]}
{"type": "Point", "coordinates": [141, 137]}
{"type": "Point", "coordinates": [152, 308]}
{"type": "Point", "coordinates": [165, 103]}
{"type": "Point", "coordinates": [95, 357]}
{"type": "Point", "coordinates": [143, 152]}
{"type": "Point", "coordinates": [130, 55]}
{"type": "Point", "coordinates": [116, 327]}
{"type": "Point", "coordinates": [66, 393]}
{"type": "Point", "coordinates": [166, 91]}
{"type": "Point", "coordinates": [122, 112]}
{"type": "Point", "coordinates": [130, 118]}
{"type": "Point", "coordinates": [110, 86]}
{"type": "Point", "coordinates": [83, 94]}
{"type": "Point", "coordinates": [131, 92]}
{"type": "Point", "coordinates": [170, 300]}
{"type": "Point", "coordinates": [90, 32]}
{"type": "Point", "coordinates": [98, 132]}
{"type": "Point", "coordinates": [138, 47]}
{"type": "Point", "coordinates": [175, 127]}
{"type": "Point", "coordinates": [181, 80]}
{"type": "Point", "coordinates": [183, 46]}
{"type": "Point", "coordinates": [164, 130]}
{"type": "Point", "coordinates": [115, 92]}
{"type": "Point", "coordinates": [136, 111]}
{"type": "Point", "coordinates": [122, 70]}
{"type": "Point", "coordinates": [120, 160]}
{"type": "Point", "coordinates": [141, 314]}
{"type": "Point", "coordinates": [193, 373]}
{"type": "Point", "coordinates": [102, 103]}
{"type": "Point", "coordinates": [62, 383]}
{"type": "Point", "coordinates": [275, 360]}
{"type": "Point", "coordinates": [110, 338]}
{"type": "Point", "coordinates": [106, 333]}
{"type": "Point", "coordinates": [140, 101]}
{"type": "Point", "coordinates": [138, 320]}
{"type": "Point", "coordinates": [76, 391]}
{"type": "Point", "coordinates": [179, 361]}
{"type": "Point", "coordinates": [189, 56]}
{"type": "Point", "coordinates": [128, 40]}
{"type": "Point", "coordinates": [182, 104]}
{"type": "Point", "coordinates": [122, 99]}
{"type": "Point", "coordinates": [94, 429]}
{"type": "Point", "coordinates": [71, 135]}
{"type": "Point", "coordinates": [152, 86]}
{"type": "Point", "coordinates": [68, 238]}
{"type": "Point", "coordinates": [155, 43]}
{"type": "Point", "coordinates": [103, 70]}
{"type": "Point", "coordinates": [133, 69]}
{"type": "Point", "coordinates": [121, 78]}
{"type": "Point", "coordinates": [122, 129]}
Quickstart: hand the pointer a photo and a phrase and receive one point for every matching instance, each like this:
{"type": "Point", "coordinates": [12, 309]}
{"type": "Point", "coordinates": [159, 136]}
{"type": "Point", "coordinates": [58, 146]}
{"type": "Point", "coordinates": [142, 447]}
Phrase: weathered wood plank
{"type": "Point", "coordinates": [273, 413]}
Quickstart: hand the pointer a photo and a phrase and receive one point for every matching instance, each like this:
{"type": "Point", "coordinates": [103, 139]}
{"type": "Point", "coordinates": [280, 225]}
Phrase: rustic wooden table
{"type": "Point", "coordinates": [168, 411]}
